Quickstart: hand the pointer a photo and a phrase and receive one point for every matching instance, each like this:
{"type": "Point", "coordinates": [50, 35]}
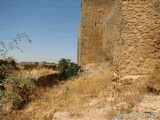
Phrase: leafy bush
{"type": "Point", "coordinates": [17, 90]}
{"type": "Point", "coordinates": [7, 66]}
{"type": "Point", "coordinates": [67, 68]}
{"type": "Point", "coordinates": [10, 61]}
{"type": "Point", "coordinates": [14, 89]}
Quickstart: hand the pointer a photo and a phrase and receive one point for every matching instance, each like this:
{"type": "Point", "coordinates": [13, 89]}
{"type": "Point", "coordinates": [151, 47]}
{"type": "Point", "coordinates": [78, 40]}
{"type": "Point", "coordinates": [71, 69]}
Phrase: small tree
{"type": "Point", "coordinates": [6, 64]}
{"type": "Point", "coordinates": [18, 89]}
{"type": "Point", "coordinates": [67, 68]}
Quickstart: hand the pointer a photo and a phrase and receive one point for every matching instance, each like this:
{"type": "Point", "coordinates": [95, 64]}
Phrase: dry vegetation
{"type": "Point", "coordinates": [85, 94]}
{"type": "Point", "coordinates": [40, 71]}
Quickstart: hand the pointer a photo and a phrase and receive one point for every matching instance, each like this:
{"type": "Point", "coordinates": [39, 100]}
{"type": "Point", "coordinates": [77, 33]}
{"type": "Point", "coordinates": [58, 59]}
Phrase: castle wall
{"type": "Point", "coordinates": [126, 31]}
{"type": "Point", "coordinates": [112, 33]}
{"type": "Point", "coordinates": [140, 36]}
{"type": "Point", "coordinates": [90, 30]}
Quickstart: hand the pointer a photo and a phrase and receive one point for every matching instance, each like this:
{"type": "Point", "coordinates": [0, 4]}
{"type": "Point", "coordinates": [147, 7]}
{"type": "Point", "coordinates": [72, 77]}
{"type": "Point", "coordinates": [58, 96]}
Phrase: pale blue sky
{"type": "Point", "coordinates": [51, 24]}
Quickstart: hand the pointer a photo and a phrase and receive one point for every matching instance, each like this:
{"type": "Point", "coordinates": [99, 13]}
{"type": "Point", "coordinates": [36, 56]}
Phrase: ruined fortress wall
{"type": "Point", "coordinates": [128, 32]}
{"type": "Point", "coordinates": [112, 33]}
{"type": "Point", "coordinates": [140, 36]}
{"type": "Point", "coordinates": [90, 30]}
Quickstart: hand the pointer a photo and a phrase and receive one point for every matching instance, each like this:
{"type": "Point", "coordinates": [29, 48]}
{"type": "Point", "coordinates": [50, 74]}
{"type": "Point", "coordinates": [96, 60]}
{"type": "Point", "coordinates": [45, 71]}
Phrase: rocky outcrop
{"type": "Point", "coordinates": [126, 32]}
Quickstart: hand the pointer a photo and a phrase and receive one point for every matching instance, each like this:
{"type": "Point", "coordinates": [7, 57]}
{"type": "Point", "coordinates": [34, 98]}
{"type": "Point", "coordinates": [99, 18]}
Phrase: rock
{"type": "Point", "coordinates": [149, 104]}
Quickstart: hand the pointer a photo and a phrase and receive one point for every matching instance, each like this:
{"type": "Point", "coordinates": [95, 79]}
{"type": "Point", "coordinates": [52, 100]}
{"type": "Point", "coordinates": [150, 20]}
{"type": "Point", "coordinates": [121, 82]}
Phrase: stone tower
{"type": "Point", "coordinates": [90, 30]}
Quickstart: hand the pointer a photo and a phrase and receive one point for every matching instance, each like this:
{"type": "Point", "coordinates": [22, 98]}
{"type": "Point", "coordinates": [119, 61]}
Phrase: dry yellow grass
{"type": "Point", "coordinates": [69, 95]}
{"type": "Point", "coordinates": [76, 93]}
{"type": "Point", "coordinates": [41, 71]}
{"type": "Point", "coordinates": [110, 114]}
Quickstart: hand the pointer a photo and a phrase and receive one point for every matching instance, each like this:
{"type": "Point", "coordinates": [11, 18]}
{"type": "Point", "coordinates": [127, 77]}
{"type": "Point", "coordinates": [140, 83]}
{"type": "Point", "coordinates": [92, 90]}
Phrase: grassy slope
{"type": "Point", "coordinates": [92, 94]}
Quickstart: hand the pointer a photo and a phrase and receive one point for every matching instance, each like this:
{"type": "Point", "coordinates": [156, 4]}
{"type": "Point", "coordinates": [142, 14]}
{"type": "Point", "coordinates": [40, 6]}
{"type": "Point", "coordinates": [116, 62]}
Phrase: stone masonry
{"type": "Point", "coordinates": [125, 31]}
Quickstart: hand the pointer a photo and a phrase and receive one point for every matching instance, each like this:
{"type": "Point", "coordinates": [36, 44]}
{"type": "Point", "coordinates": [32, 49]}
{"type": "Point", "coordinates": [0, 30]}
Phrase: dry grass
{"type": "Point", "coordinates": [69, 95]}
{"type": "Point", "coordinates": [76, 93]}
{"type": "Point", "coordinates": [35, 72]}
{"type": "Point", "coordinates": [110, 114]}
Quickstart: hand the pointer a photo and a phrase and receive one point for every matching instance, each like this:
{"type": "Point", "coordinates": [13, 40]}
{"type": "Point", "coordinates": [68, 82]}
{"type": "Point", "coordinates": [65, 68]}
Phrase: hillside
{"type": "Point", "coordinates": [93, 95]}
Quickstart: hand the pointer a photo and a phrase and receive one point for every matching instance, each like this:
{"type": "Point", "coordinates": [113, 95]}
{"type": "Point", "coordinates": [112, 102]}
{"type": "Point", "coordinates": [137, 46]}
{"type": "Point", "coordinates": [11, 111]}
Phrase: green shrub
{"type": "Point", "coordinates": [17, 90]}
{"type": "Point", "coordinates": [7, 66]}
{"type": "Point", "coordinates": [10, 61]}
{"type": "Point", "coordinates": [67, 68]}
{"type": "Point", "coordinates": [5, 48]}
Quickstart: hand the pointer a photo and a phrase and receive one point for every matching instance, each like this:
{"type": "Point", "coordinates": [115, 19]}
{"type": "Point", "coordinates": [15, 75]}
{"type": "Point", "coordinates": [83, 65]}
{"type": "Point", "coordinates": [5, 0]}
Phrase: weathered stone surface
{"type": "Point", "coordinates": [90, 30]}
{"type": "Point", "coordinates": [127, 32]}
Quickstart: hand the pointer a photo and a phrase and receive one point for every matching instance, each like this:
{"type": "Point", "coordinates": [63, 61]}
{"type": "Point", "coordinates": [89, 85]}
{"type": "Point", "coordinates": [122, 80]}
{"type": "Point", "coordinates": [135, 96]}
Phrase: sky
{"type": "Point", "coordinates": [51, 24]}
